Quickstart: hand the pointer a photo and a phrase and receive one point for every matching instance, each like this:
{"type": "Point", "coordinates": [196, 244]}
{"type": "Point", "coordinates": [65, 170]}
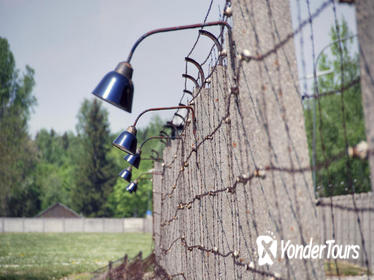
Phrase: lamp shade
{"type": "Point", "coordinates": [126, 141]}
{"type": "Point", "coordinates": [134, 160]}
{"type": "Point", "coordinates": [132, 187]}
{"type": "Point", "coordinates": [126, 174]}
{"type": "Point", "coordinates": [117, 88]}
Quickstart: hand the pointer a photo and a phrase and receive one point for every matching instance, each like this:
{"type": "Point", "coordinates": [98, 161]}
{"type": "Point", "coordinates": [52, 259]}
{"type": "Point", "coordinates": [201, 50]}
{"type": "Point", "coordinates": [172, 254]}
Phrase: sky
{"type": "Point", "coordinates": [72, 44]}
{"type": "Point", "coordinates": [321, 32]}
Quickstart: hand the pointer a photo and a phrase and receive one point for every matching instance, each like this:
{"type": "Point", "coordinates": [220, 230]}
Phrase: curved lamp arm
{"type": "Point", "coordinates": [152, 138]}
{"type": "Point", "coordinates": [176, 28]}
{"type": "Point", "coordinates": [157, 154]}
{"type": "Point", "coordinates": [168, 108]}
{"type": "Point", "coordinates": [327, 46]}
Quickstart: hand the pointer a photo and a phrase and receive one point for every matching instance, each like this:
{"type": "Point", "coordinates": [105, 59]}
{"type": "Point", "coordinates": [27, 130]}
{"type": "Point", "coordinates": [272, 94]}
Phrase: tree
{"type": "Point", "coordinates": [18, 193]}
{"type": "Point", "coordinates": [343, 175]}
{"type": "Point", "coordinates": [54, 172]}
{"type": "Point", "coordinates": [95, 172]}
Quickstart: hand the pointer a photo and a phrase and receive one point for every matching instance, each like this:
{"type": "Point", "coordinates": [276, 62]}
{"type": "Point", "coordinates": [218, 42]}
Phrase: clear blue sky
{"type": "Point", "coordinates": [71, 44]}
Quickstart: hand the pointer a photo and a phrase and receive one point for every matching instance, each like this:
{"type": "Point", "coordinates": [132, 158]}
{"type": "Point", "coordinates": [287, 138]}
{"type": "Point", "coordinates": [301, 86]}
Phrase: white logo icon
{"type": "Point", "coordinates": [267, 248]}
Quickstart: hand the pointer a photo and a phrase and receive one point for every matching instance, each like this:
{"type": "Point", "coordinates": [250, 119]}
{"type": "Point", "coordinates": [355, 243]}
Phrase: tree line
{"type": "Point", "coordinates": [78, 169]}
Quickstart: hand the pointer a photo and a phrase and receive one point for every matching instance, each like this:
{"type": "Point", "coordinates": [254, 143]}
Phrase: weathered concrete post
{"type": "Point", "coordinates": [268, 120]}
{"type": "Point", "coordinates": [365, 23]}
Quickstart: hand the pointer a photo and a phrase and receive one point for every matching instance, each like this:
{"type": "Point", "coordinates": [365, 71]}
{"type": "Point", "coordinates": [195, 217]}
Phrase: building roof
{"type": "Point", "coordinates": [58, 210]}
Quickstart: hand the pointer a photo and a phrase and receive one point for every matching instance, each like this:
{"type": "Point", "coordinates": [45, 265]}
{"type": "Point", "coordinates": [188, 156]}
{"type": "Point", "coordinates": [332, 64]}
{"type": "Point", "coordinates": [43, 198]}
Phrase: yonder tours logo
{"type": "Point", "coordinates": [267, 247]}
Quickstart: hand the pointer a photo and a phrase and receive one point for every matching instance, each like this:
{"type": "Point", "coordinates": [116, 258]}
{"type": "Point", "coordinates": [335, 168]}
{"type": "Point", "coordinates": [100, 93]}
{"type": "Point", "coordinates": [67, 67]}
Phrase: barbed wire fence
{"type": "Point", "coordinates": [247, 170]}
{"type": "Point", "coordinates": [129, 268]}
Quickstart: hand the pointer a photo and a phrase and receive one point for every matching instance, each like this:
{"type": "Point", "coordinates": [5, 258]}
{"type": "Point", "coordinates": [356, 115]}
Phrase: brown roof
{"type": "Point", "coordinates": [58, 210]}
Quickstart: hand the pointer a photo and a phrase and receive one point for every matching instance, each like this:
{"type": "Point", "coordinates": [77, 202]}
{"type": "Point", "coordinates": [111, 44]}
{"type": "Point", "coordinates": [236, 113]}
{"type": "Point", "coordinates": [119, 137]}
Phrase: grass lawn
{"type": "Point", "coordinates": [54, 255]}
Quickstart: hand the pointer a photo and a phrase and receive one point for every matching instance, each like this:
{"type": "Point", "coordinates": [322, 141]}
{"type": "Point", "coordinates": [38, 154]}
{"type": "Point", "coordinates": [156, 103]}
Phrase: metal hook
{"type": "Point", "coordinates": [178, 115]}
{"type": "Point", "coordinates": [173, 129]}
{"type": "Point", "coordinates": [188, 92]}
{"type": "Point", "coordinates": [179, 127]}
{"type": "Point", "coordinates": [216, 42]}
{"type": "Point", "coordinates": [157, 158]}
{"type": "Point", "coordinates": [192, 79]}
{"type": "Point", "coordinates": [198, 66]}
{"type": "Point", "coordinates": [163, 133]}
{"type": "Point", "coordinates": [166, 140]}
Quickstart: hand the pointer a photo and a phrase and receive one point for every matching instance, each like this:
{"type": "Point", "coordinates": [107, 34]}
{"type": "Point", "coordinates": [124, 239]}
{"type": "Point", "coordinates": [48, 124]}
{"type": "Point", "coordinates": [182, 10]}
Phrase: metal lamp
{"type": "Point", "coordinates": [117, 88]}
{"type": "Point", "coordinates": [133, 186]}
{"type": "Point", "coordinates": [127, 142]}
{"type": "Point", "coordinates": [126, 174]}
{"type": "Point", "coordinates": [134, 160]}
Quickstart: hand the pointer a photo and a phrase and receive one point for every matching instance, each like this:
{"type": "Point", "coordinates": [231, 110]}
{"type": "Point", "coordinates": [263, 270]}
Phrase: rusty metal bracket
{"type": "Point", "coordinates": [163, 133]}
{"type": "Point", "coordinates": [216, 42]}
{"type": "Point", "coordinates": [178, 115]}
{"type": "Point", "coordinates": [173, 129]}
{"type": "Point", "coordinates": [166, 139]}
{"type": "Point", "coordinates": [157, 158]}
{"type": "Point", "coordinates": [199, 68]}
{"type": "Point", "coordinates": [188, 92]}
{"type": "Point", "coordinates": [192, 79]}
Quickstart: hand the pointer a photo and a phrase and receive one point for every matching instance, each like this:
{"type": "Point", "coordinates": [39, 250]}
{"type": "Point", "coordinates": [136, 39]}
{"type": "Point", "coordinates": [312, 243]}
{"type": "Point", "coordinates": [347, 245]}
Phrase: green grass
{"type": "Point", "coordinates": [41, 256]}
{"type": "Point", "coordinates": [345, 269]}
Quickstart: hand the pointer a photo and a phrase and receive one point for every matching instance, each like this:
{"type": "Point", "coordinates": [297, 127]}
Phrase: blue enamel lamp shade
{"type": "Point", "coordinates": [134, 160]}
{"type": "Point", "coordinates": [117, 88]}
{"type": "Point", "coordinates": [126, 174]}
{"type": "Point", "coordinates": [132, 187]}
{"type": "Point", "coordinates": [126, 141]}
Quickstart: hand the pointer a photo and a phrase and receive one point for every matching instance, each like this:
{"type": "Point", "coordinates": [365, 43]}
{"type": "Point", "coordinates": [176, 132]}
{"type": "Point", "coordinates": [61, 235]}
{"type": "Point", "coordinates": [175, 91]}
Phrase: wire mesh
{"type": "Point", "coordinates": [262, 159]}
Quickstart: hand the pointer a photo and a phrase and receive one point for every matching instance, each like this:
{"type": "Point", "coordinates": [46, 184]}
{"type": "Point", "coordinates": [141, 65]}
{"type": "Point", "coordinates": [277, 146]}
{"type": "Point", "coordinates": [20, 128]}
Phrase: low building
{"type": "Point", "coordinates": [58, 210]}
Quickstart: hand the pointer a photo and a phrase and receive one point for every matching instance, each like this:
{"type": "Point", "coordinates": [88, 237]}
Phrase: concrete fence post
{"type": "Point", "coordinates": [365, 23]}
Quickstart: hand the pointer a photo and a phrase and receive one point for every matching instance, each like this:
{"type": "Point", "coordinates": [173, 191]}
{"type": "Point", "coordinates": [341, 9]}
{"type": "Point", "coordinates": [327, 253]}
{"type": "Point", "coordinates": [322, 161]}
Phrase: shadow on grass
{"type": "Point", "coordinates": [23, 277]}
{"type": "Point", "coordinates": [40, 273]}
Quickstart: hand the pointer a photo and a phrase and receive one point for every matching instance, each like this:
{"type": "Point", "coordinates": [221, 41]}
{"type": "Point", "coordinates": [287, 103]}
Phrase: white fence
{"type": "Point", "coordinates": [75, 225]}
{"type": "Point", "coordinates": [349, 219]}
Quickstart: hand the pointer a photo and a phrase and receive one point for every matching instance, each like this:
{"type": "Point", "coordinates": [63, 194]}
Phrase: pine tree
{"type": "Point", "coordinates": [95, 173]}
{"type": "Point", "coordinates": [19, 195]}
